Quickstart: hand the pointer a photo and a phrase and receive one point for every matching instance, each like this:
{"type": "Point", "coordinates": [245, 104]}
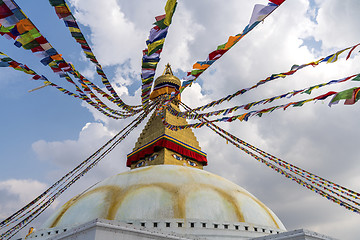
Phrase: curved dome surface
{"type": "Point", "coordinates": [165, 192]}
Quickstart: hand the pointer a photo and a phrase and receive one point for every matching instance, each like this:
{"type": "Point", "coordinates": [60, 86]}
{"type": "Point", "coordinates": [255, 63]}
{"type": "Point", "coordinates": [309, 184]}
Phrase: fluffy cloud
{"type": "Point", "coordinates": [14, 193]}
{"type": "Point", "coordinates": [113, 35]}
{"type": "Point", "coordinates": [336, 21]}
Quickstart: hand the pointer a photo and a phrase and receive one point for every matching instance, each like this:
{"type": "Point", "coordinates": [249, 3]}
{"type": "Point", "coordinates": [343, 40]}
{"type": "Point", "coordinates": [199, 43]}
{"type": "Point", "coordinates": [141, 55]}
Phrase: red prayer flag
{"type": "Point", "coordinates": [41, 40]}
{"type": "Point", "coordinates": [159, 18]}
{"type": "Point", "coordinates": [36, 77]}
{"type": "Point", "coordinates": [5, 11]}
{"type": "Point", "coordinates": [62, 11]}
{"type": "Point", "coordinates": [14, 64]}
{"type": "Point", "coordinates": [217, 54]}
{"type": "Point", "coordinates": [324, 96]}
{"type": "Point", "coordinates": [37, 49]}
{"type": "Point", "coordinates": [277, 2]}
{"type": "Point", "coordinates": [352, 49]}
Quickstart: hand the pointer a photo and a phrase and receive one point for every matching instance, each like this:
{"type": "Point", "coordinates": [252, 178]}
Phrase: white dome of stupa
{"type": "Point", "coordinates": [165, 192]}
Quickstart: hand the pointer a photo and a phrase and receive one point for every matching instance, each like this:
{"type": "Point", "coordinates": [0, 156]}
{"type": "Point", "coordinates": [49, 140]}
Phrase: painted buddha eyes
{"type": "Point", "coordinates": [152, 158]}
{"type": "Point", "coordinates": [192, 163]}
{"type": "Point", "coordinates": [140, 164]}
{"type": "Point", "coordinates": [143, 161]}
{"type": "Point", "coordinates": [177, 157]}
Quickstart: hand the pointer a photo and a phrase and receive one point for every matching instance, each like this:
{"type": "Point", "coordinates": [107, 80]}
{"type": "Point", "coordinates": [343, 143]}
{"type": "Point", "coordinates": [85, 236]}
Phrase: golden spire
{"type": "Point", "coordinates": [159, 145]}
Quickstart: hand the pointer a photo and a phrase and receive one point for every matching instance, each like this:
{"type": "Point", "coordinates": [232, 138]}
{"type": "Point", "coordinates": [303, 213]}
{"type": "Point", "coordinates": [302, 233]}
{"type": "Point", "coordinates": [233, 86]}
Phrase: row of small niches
{"type": "Point", "coordinates": [208, 225]}
{"type": "Point", "coordinates": [57, 231]}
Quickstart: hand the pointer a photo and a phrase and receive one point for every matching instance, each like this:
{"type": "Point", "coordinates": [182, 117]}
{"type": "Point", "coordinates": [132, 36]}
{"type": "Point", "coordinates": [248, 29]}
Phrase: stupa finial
{"type": "Point", "coordinates": [168, 70]}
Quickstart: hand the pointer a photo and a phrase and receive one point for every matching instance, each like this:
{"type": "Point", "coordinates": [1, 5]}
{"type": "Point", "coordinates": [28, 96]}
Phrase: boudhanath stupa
{"type": "Point", "coordinates": [166, 194]}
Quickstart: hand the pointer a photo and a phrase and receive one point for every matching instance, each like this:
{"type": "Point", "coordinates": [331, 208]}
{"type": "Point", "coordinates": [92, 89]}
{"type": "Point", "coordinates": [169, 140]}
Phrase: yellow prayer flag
{"type": "Point", "coordinates": [25, 38]}
{"type": "Point", "coordinates": [169, 10]}
{"type": "Point", "coordinates": [335, 56]}
{"type": "Point", "coordinates": [73, 29]}
{"type": "Point", "coordinates": [30, 231]}
{"type": "Point", "coordinates": [153, 45]}
{"type": "Point", "coordinates": [53, 64]}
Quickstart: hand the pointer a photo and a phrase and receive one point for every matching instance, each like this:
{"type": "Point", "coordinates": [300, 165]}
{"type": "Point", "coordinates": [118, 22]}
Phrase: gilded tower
{"type": "Point", "coordinates": [160, 145]}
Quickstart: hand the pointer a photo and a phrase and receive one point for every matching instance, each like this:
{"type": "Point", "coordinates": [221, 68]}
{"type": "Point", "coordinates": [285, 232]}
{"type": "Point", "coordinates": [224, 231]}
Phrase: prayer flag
{"type": "Point", "coordinates": [346, 94]}
{"type": "Point", "coordinates": [260, 12]}
{"type": "Point", "coordinates": [354, 98]}
{"type": "Point", "coordinates": [169, 10]}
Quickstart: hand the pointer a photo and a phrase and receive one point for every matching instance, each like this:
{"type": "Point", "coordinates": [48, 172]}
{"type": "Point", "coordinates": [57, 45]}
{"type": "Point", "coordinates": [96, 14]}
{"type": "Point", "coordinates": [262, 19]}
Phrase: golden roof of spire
{"type": "Point", "coordinates": [167, 77]}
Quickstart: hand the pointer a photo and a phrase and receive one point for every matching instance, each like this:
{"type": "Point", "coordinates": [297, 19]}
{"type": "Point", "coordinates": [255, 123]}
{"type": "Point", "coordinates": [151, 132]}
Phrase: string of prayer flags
{"type": "Point", "coordinates": [84, 84]}
{"type": "Point", "coordinates": [65, 182]}
{"type": "Point", "coordinates": [151, 55]}
{"type": "Point", "coordinates": [325, 184]}
{"type": "Point", "coordinates": [297, 170]}
{"type": "Point", "coordinates": [260, 12]}
{"type": "Point", "coordinates": [329, 59]}
{"type": "Point", "coordinates": [305, 182]}
{"type": "Point", "coordinates": [14, 24]}
{"type": "Point", "coordinates": [309, 179]}
{"type": "Point", "coordinates": [64, 13]}
{"type": "Point", "coordinates": [351, 95]}
{"type": "Point", "coordinates": [194, 115]}
{"type": "Point", "coordinates": [6, 61]}
{"type": "Point", "coordinates": [66, 177]}
{"type": "Point", "coordinates": [90, 102]}
{"type": "Point", "coordinates": [26, 32]}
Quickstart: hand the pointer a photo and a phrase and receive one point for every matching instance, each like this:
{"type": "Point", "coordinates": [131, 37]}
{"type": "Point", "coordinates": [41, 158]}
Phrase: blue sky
{"type": "Point", "coordinates": [45, 133]}
{"type": "Point", "coordinates": [28, 116]}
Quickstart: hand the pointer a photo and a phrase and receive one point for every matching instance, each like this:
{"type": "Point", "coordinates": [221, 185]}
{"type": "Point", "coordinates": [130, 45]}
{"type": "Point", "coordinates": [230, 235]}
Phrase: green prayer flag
{"type": "Point", "coordinates": [160, 24]}
{"type": "Point", "coordinates": [4, 29]}
{"type": "Point", "coordinates": [347, 94]}
{"type": "Point", "coordinates": [148, 80]}
{"type": "Point", "coordinates": [6, 59]}
{"type": "Point", "coordinates": [357, 78]}
{"type": "Point", "coordinates": [299, 104]}
{"type": "Point", "coordinates": [222, 46]}
{"type": "Point", "coordinates": [31, 45]}
{"type": "Point", "coordinates": [56, 2]}
{"type": "Point", "coordinates": [197, 71]}
{"type": "Point", "coordinates": [77, 35]}
{"type": "Point", "coordinates": [149, 65]}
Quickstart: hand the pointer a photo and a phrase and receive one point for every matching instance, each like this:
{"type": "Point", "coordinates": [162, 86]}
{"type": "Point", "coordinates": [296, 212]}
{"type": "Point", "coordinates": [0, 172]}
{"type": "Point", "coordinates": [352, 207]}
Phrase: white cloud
{"type": "Point", "coordinates": [113, 35]}
{"type": "Point", "coordinates": [15, 193]}
{"type": "Point", "coordinates": [336, 23]}
{"type": "Point", "coordinates": [70, 152]}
